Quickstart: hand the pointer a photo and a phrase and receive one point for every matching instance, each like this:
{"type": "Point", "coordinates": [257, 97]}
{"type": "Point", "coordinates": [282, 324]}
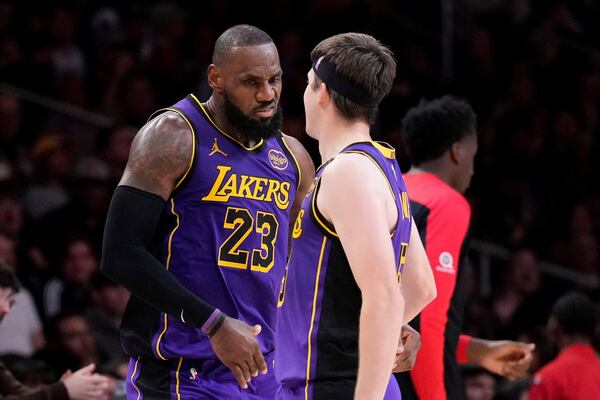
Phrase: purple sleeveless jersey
{"type": "Point", "coordinates": [225, 238]}
{"type": "Point", "coordinates": [316, 351]}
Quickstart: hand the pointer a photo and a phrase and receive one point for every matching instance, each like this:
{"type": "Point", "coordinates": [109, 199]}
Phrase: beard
{"type": "Point", "coordinates": [252, 129]}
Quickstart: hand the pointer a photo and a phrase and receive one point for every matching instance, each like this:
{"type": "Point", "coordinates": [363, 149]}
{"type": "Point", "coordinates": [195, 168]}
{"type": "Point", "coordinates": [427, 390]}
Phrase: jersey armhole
{"type": "Point", "coordinates": [325, 226]}
{"type": "Point", "coordinates": [184, 179]}
{"type": "Point", "coordinates": [290, 154]}
{"type": "Point", "coordinates": [394, 195]}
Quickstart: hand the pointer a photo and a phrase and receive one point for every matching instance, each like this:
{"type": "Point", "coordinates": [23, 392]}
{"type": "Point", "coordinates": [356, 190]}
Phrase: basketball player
{"type": "Point", "coordinates": [198, 231]}
{"type": "Point", "coordinates": [441, 139]}
{"type": "Point", "coordinates": [341, 309]}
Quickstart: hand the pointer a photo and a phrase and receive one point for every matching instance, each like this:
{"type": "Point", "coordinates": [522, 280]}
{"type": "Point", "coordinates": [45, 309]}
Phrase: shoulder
{"type": "Point", "coordinates": [354, 173]}
{"type": "Point", "coordinates": [430, 191]}
{"type": "Point", "coordinates": [160, 154]}
{"type": "Point", "coordinates": [548, 376]}
{"type": "Point", "coordinates": [166, 127]}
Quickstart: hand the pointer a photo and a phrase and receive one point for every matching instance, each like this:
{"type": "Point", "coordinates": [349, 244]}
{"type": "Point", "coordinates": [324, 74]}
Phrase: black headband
{"type": "Point", "coordinates": [327, 72]}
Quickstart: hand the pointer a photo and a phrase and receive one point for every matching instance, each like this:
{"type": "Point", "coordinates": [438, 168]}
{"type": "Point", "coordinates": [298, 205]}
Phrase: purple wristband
{"type": "Point", "coordinates": [211, 320]}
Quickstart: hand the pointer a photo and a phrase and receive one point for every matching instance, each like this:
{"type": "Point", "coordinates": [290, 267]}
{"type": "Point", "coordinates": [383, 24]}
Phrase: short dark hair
{"type": "Point", "coordinates": [575, 313]}
{"type": "Point", "coordinates": [430, 128]}
{"type": "Point", "coordinates": [365, 62]}
{"type": "Point", "coordinates": [238, 36]}
{"type": "Point", "coordinates": [8, 279]}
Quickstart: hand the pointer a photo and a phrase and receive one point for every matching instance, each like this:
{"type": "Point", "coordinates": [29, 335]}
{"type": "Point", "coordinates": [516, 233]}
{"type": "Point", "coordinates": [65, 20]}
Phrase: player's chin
{"type": "Point", "coordinates": [263, 117]}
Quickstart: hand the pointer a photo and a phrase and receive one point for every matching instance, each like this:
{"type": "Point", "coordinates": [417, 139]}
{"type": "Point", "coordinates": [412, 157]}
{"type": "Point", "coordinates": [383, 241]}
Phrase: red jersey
{"type": "Point", "coordinates": [442, 216]}
{"type": "Point", "coordinates": [573, 375]}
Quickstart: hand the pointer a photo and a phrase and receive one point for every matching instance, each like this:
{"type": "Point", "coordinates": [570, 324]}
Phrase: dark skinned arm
{"type": "Point", "coordinates": [160, 155]}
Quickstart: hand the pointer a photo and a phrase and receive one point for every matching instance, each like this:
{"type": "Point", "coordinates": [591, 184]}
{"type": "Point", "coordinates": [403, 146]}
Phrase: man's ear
{"type": "Point", "coordinates": [323, 96]}
{"type": "Point", "coordinates": [215, 80]}
{"type": "Point", "coordinates": [456, 152]}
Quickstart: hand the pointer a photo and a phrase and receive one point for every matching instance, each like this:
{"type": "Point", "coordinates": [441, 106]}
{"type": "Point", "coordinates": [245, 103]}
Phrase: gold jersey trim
{"type": "Point", "coordinates": [312, 318]}
{"type": "Point", "coordinates": [295, 161]}
{"type": "Point", "coordinates": [317, 215]}
{"type": "Point", "coordinates": [189, 168]}
{"type": "Point", "coordinates": [256, 146]}
{"type": "Point", "coordinates": [385, 149]}
{"type": "Point", "coordinates": [169, 254]}
{"type": "Point", "coordinates": [177, 378]}
{"type": "Point", "coordinates": [378, 166]}
{"type": "Point", "coordinates": [135, 367]}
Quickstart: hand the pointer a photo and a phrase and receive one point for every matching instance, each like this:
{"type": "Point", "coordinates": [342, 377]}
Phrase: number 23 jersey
{"type": "Point", "coordinates": [223, 235]}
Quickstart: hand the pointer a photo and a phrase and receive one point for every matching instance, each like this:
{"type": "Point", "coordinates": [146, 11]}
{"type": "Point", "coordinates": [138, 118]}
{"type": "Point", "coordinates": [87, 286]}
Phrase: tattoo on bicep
{"type": "Point", "coordinates": [160, 154]}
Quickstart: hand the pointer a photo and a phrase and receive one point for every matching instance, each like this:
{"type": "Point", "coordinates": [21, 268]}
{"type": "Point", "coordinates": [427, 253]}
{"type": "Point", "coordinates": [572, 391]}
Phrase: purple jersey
{"type": "Point", "coordinates": [319, 303]}
{"type": "Point", "coordinates": [223, 235]}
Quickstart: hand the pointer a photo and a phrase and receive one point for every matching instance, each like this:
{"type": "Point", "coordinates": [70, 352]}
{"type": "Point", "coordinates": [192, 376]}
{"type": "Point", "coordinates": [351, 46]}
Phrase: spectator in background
{"type": "Point", "coordinates": [113, 151]}
{"type": "Point", "coordinates": [11, 213]}
{"type": "Point", "coordinates": [84, 215]}
{"type": "Point", "coordinates": [480, 384]}
{"type": "Point", "coordinates": [70, 292]}
{"type": "Point", "coordinates": [104, 317]}
{"type": "Point", "coordinates": [52, 162]}
{"type": "Point", "coordinates": [13, 160]}
{"type": "Point", "coordinates": [80, 385]}
{"type": "Point", "coordinates": [575, 373]}
{"type": "Point", "coordinates": [71, 344]}
{"type": "Point", "coordinates": [521, 289]}
{"type": "Point", "coordinates": [21, 331]}
{"type": "Point", "coordinates": [137, 99]}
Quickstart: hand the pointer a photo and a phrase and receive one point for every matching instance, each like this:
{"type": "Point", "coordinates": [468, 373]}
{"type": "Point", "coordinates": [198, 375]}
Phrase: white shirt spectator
{"type": "Point", "coordinates": [21, 328]}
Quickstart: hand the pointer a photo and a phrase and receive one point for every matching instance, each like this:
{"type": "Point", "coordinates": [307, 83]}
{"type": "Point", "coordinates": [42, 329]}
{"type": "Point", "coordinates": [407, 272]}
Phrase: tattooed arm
{"type": "Point", "coordinates": [160, 155]}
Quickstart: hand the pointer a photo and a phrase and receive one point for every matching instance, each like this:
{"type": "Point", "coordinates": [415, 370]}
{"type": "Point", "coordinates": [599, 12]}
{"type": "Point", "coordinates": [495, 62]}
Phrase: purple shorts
{"type": "Point", "coordinates": [342, 389]}
{"type": "Point", "coordinates": [187, 379]}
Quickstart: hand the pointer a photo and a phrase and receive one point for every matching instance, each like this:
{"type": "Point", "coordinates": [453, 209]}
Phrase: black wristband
{"type": "Point", "coordinates": [217, 325]}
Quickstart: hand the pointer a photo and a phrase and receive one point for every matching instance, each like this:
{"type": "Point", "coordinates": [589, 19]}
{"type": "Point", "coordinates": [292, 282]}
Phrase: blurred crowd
{"type": "Point", "coordinates": [530, 68]}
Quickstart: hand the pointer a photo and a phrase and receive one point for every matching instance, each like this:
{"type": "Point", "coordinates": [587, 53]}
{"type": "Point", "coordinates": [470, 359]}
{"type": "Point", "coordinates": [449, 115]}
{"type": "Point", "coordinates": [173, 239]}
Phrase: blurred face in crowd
{"type": "Point", "coordinates": [464, 153]}
{"type": "Point", "coordinates": [525, 274]}
{"type": "Point", "coordinates": [7, 299]}
{"type": "Point", "coordinates": [249, 81]}
{"type": "Point", "coordinates": [480, 387]}
{"type": "Point", "coordinates": [11, 215]}
{"type": "Point", "coordinates": [10, 117]}
{"type": "Point", "coordinates": [8, 254]}
{"type": "Point", "coordinates": [112, 298]}
{"type": "Point", "coordinates": [139, 98]}
{"type": "Point", "coordinates": [117, 150]}
{"type": "Point", "coordinates": [75, 337]}
{"type": "Point", "coordinates": [80, 263]}
{"type": "Point", "coordinates": [63, 25]}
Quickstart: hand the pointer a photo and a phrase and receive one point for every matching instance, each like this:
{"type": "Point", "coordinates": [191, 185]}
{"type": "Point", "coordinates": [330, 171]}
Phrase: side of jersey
{"type": "Point", "coordinates": [319, 303]}
{"type": "Point", "coordinates": [223, 235]}
{"type": "Point", "coordinates": [442, 216]}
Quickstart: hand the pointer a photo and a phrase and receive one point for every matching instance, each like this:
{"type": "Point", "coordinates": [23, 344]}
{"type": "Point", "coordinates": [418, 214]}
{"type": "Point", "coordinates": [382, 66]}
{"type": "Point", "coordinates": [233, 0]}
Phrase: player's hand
{"type": "Point", "coordinates": [408, 347]}
{"type": "Point", "coordinates": [236, 346]}
{"type": "Point", "coordinates": [507, 358]}
{"type": "Point", "coordinates": [83, 384]}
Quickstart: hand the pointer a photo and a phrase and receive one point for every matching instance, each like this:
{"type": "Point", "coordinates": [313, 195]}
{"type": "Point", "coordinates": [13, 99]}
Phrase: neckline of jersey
{"type": "Point", "coordinates": [378, 145]}
{"type": "Point", "coordinates": [228, 136]}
